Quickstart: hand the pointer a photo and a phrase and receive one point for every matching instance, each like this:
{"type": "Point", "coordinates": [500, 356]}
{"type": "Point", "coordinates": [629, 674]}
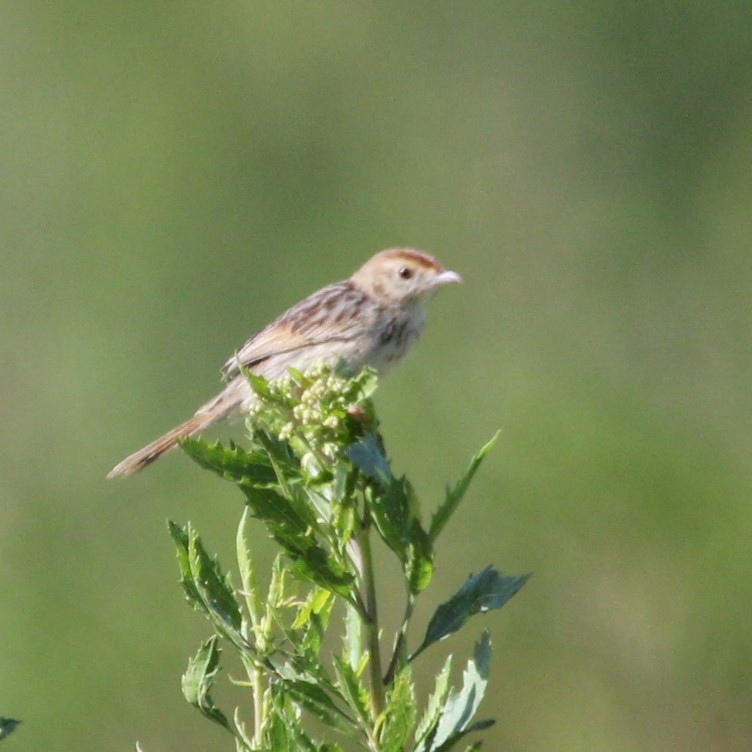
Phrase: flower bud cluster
{"type": "Point", "coordinates": [312, 405]}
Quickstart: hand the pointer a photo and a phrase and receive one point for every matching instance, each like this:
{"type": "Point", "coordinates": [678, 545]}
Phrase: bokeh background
{"type": "Point", "coordinates": [173, 175]}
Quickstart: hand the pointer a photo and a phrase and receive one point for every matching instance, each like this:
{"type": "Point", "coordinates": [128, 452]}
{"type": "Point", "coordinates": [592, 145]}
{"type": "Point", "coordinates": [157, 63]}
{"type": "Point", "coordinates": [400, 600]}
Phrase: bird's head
{"type": "Point", "coordinates": [402, 275]}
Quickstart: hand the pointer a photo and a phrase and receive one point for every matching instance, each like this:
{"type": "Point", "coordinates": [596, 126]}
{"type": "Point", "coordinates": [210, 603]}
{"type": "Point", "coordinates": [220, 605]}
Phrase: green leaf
{"type": "Point", "coordinates": [473, 727]}
{"type": "Point", "coordinates": [309, 628]}
{"type": "Point", "coordinates": [427, 726]}
{"type": "Point", "coordinates": [395, 510]}
{"type": "Point", "coordinates": [293, 525]}
{"type": "Point", "coordinates": [419, 563]}
{"type": "Point", "coordinates": [460, 707]}
{"type": "Point", "coordinates": [353, 641]}
{"type": "Point", "coordinates": [364, 384]}
{"type": "Point", "coordinates": [275, 509]}
{"type": "Point", "coordinates": [213, 585]}
{"type": "Point", "coordinates": [276, 593]}
{"type": "Point", "coordinates": [389, 507]}
{"type": "Point", "coordinates": [231, 462]}
{"type": "Point", "coordinates": [277, 734]}
{"type": "Point", "coordinates": [285, 734]}
{"type": "Point", "coordinates": [284, 731]}
{"type": "Point", "coordinates": [313, 564]}
{"type": "Point", "coordinates": [399, 713]}
{"type": "Point", "coordinates": [260, 385]}
{"type": "Point", "coordinates": [248, 573]}
{"type": "Point", "coordinates": [180, 537]}
{"type": "Point", "coordinates": [279, 453]}
{"type": "Point", "coordinates": [205, 586]}
{"type": "Point", "coordinates": [245, 560]}
{"type": "Point", "coordinates": [199, 678]}
{"type": "Point", "coordinates": [7, 726]}
{"type": "Point", "coordinates": [454, 495]}
{"type": "Point", "coordinates": [343, 526]}
{"type": "Point", "coordinates": [368, 456]}
{"type": "Point", "coordinates": [481, 592]}
{"type": "Point", "coordinates": [311, 697]}
{"type": "Point", "coordinates": [243, 742]}
{"type": "Point", "coordinates": [317, 601]}
{"type": "Point", "coordinates": [352, 689]}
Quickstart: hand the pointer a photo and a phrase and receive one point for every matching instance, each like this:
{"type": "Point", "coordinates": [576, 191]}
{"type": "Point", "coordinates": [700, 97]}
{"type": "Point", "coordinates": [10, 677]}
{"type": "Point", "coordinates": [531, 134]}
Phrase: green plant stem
{"type": "Point", "coordinates": [253, 602]}
{"type": "Point", "coordinates": [362, 533]}
{"type": "Point", "coordinates": [259, 709]}
{"type": "Point", "coordinates": [400, 642]}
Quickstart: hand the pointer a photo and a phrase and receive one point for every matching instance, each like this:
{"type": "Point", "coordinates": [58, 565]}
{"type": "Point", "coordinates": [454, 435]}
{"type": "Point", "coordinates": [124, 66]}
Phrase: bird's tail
{"type": "Point", "coordinates": [151, 452]}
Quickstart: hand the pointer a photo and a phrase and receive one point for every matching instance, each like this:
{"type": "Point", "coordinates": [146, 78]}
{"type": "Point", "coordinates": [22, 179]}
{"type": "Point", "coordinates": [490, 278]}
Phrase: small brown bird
{"type": "Point", "coordinates": [372, 319]}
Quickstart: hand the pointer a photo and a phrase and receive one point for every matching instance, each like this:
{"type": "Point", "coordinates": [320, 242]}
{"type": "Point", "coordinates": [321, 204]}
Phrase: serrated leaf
{"type": "Point", "coordinates": [427, 726]}
{"type": "Point", "coordinates": [278, 734]}
{"type": "Point", "coordinates": [313, 563]}
{"type": "Point", "coordinates": [206, 587]}
{"type": "Point", "coordinates": [454, 495]}
{"type": "Point", "coordinates": [285, 734]}
{"type": "Point", "coordinates": [279, 453]}
{"type": "Point", "coordinates": [293, 525]}
{"type": "Point", "coordinates": [399, 713]}
{"type": "Point", "coordinates": [259, 385]}
{"type": "Point", "coordinates": [7, 726]}
{"type": "Point", "coordinates": [311, 697]}
{"type": "Point", "coordinates": [233, 462]}
{"type": "Point", "coordinates": [276, 594]}
{"type": "Point", "coordinates": [317, 600]}
{"type": "Point", "coordinates": [273, 508]}
{"type": "Point", "coordinates": [284, 731]}
{"type": "Point", "coordinates": [309, 628]}
{"type": "Point", "coordinates": [368, 456]}
{"type": "Point", "coordinates": [352, 689]}
{"type": "Point", "coordinates": [481, 592]}
{"type": "Point", "coordinates": [419, 564]}
{"type": "Point", "coordinates": [389, 507]}
{"type": "Point", "coordinates": [460, 707]}
{"type": "Point", "coordinates": [364, 384]}
{"type": "Point", "coordinates": [247, 571]}
{"type": "Point", "coordinates": [212, 584]}
{"type": "Point", "coordinates": [198, 680]}
{"type": "Point", "coordinates": [309, 645]}
{"type": "Point", "coordinates": [180, 538]}
{"type": "Point", "coordinates": [395, 510]}
{"type": "Point", "coordinates": [243, 742]}
{"type": "Point", "coordinates": [245, 560]}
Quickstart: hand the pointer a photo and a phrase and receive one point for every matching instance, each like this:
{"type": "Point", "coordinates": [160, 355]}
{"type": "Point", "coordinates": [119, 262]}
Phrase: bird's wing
{"type": "Point", "coordinates": [324, 317]}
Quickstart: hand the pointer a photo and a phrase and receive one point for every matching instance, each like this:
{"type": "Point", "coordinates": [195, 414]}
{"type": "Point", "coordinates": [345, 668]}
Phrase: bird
{"type": "Point", "coordinates": [373, 319]}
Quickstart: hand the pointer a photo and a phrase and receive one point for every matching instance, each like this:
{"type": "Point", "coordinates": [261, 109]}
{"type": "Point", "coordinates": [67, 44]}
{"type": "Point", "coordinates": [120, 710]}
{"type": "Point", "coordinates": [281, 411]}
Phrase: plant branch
{"type": "Point", "coordinates": [400, 642]}
{"type": "Point", "coordinates": [317, 476]}
{"type": "Point", "coordinates": [362, 534]}
{"type": "Point", "coordinates": [253, 604]}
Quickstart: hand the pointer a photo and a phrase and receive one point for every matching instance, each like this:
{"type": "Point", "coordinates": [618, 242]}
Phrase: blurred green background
{"type": "Point", "coordinates": [173, 175]}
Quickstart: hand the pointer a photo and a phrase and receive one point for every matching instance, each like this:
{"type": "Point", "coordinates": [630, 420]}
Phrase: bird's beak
{"type": "Point", "coordinates": [446, 277]}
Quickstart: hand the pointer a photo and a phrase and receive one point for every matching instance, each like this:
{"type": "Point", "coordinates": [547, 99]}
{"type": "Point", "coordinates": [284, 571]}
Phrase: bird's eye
{"type": "Point", "coordinates": [405, 272]}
